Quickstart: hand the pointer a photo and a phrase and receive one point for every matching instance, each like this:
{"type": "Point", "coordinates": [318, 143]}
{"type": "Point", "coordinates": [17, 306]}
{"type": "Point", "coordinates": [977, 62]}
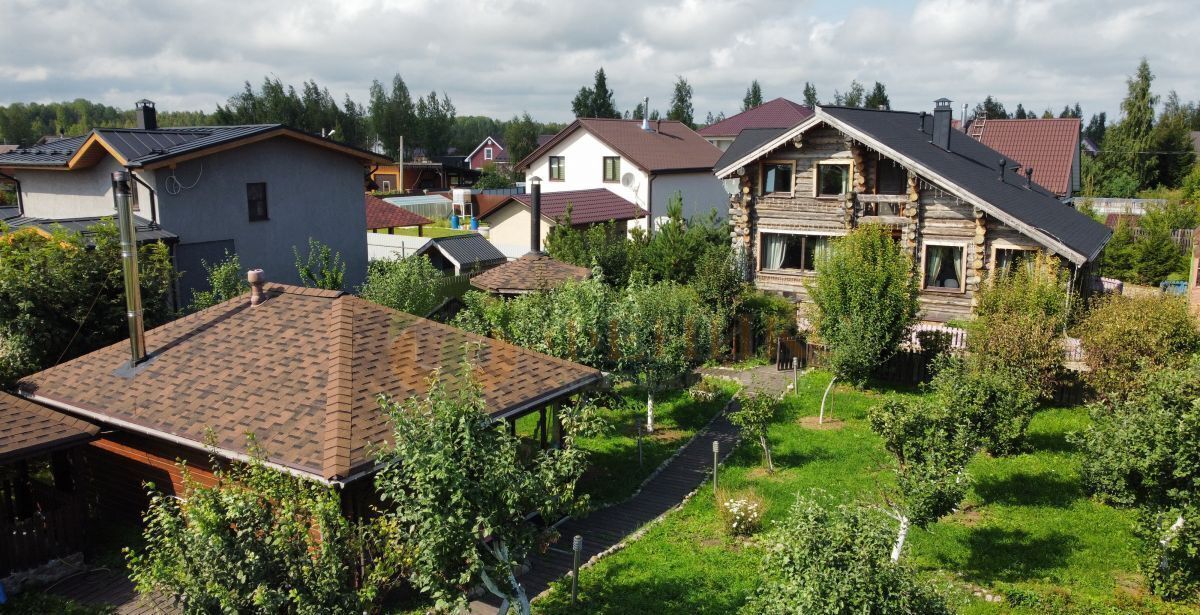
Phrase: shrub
{"type": "Point", "coordinates": [753, 417]}
{"type": "Point", "coordinates": [835, 560]}
{"type": "Point", "coordinates": [405, 284]}
{"type": "Point", "coordinates": [321, 267]}
{"type": "Point", "coordinates": [998, 402]}
{"type": "Point", "coordinates": [766, 317]}
{"type": "Point", "coordinates": [741, 513]}
{"type": "Point", "coordinates": [1122, 335]}
{"type": "Point", "coordinates": [226, 280]}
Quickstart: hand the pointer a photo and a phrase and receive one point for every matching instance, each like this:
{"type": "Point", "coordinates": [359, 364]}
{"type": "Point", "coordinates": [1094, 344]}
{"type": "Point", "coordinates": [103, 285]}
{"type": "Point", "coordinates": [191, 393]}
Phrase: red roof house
{"type": "Point", "coordinates": [778, 113]}
{"type": "Point", "coordinates": [489, 151]}
{"type": "Point", "coordinates": [1050, 146]}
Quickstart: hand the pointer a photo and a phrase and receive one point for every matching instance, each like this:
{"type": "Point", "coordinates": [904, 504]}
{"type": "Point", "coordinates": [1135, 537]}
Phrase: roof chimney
{"type": "Point", "coordinates": [921, 122]}
{"type": "Point", "coordinates": [535, 218]}
{"type": "Point", "coordinates": [659, 125]}
{"type": "Point", "coordinates": [147, 117]}
{"type": "Point", "coordinates": [1003, 164]}
{"type": "Point", "coordinates": [646, 114]}
{"type": "Point", "coordinates": [941, 123]}
{"type": "Point", "coordinates": [256, 279]}
{"type": "Point", "coordinates": [133, 288]}
{"type": "Point", "coordinates": [1029, 178]}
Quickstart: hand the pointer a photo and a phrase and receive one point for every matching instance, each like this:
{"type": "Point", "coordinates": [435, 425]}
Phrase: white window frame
{"type": "Point", "coordinates": [962, 274]}
{"type": "Point", "coordinates": [773, 231]}
{"type": "Point", "coordinates": [762, 176]}
{"type": "Point", "coordinates": [848, 163]}
{"type": "Point", "coordinates": [385, 186]}
{"type": "Point", "coordinates": [487, 153]}
{"type": "Point", "coordinates": [1001, 244]}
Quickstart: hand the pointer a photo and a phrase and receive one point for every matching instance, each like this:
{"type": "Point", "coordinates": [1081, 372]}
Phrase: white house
{"type": "Point", "coordinates": [644, 162]}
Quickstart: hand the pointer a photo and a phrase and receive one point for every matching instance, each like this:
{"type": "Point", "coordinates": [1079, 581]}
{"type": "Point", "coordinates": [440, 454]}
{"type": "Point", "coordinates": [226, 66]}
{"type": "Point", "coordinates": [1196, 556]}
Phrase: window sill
{"type": "Point", "coordinates": [789, 272]}
{"type": "Point", "coordinates": [831, 197]}
{"type": "Point", "coordinates": [944, 291]}
{"type": "Point", "coordinates": [783, 194]}
{"type": "Point", "coordinates": [611, 181]}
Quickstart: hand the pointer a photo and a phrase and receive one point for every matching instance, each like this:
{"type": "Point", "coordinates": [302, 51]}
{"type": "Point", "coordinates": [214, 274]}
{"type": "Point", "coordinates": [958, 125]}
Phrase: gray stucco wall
{"type": "Point", "coordinates": [76, 194]}
{"type": "Point", "coordinates": [311, 192]}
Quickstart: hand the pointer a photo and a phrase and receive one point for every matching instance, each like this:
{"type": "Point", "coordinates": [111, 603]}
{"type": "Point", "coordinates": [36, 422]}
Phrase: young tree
{"type": "Point", "coordinates": [810, 96]}
{"type": "Point", "coordinates": [226, 280]}
{"type": "Point", "coordinates": [753, 417]}
{"type": "Point", "coordinates": [1122, 335]}
{"type": "Point", "coordinates": [822, 559]}
{"type": "Point", "coordinates": [1142, 451]}
{"type": "Point", "coordinates": [459, 489]}
{"type": "Point", "coordinates": [405, 284]}
{"type": "Point", "coordinates": [878, 98]}
{"type": "Point", "coordinates": [681, 109]}
{"type": "Point", "coordinates": [596, 101]}
{"type": "Point", "coordinates": [1119, 257]}
{"type": "Point", "coordinates": [321, 267]}
{"type": "Point", "coordinates": [1096, 128]}
{"type": "Point", "coordinates": [932, 445]}
{"type": "Point", "coordinates": [494, 177]}
{"type": "Point", "coordinates": [392, 116]}
{"type": "Point", "coordinates": [521, 136]}
{"type": "Point", "coordinates": [866, 301]}
{"type": "Point", "coordinates": [753, 97]}
{"type": "Point", "coordinates": [293, 549]}
{"type": "Point", "coordinates": [853, 97]}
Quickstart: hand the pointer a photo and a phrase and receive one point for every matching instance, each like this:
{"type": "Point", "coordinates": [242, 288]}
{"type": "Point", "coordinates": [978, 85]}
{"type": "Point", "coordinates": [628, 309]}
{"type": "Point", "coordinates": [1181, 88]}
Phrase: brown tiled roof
{"type": "Point", "coordinates": [669, 146]}
{"type": "Point", "coordinates": [382, 214]}
{"type": "Point", "coordinates": [587, 206]}
{"type": "Point", "coordinates": [487, 203]}
{"type": "Point", "coordinates": [1048, 145]}
{"type": "Point", "coordinates": [301, 371]}
{"type": "Point", "coordinates": [28, 429]}
{"type": "Point", "coordinates": [778, 113]}
{"type": "Point", "coordinates": [532, 272]}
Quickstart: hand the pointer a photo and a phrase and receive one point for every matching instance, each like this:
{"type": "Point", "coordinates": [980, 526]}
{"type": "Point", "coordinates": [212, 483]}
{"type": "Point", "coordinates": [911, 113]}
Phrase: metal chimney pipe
{"type": "Point", "coordinates": [1029, 177]}
{"type": "Point", "coordinates": [646, 114]}
{"type": "Point", "coordinates": [256, 279]}
{"type": "Point", "coordinates": [535, 220]}
{"type": "Point", "coordinates": [1003, 164]}
{"type": "Point", "coordinates": [133, 289]}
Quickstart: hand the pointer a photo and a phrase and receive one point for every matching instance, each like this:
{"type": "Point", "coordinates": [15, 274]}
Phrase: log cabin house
{"type": "Point", "coordinates": [961, 209]}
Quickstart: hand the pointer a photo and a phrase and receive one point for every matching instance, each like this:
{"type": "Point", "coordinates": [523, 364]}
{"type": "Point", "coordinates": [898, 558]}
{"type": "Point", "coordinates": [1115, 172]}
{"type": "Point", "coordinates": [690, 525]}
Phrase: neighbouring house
{"type": "Point", "coordinates": [954, 204]}
{"type": "Point", "coordinates": [424, 176]}
{"type": "Point", "coordinates": [645, 162]}
{"type": "Point", "coordinates": [778, 113]}
{"type": "Point", "coordinates": [8, 147]}
{"type": "Point", "coordinates": [43, 511]}
{"type": "Point", "coordinates": [257, 191]}
{"type": "Point", "coordinates": [1049, 146]}
{"type": "Point", "coordinates": [532, 272]}
{"type": "Point", "coordinates": [385, 217]}
{"type": "Point", "coordinates": [301, 369]}
{"type": "Point", "coordinates": [510, 220]}
{"type": "Point", "coordinates": [489, 151]}
{"type": "Point", "coordinates": [464, 254]}
{"type": "Point", "coordinates": [1196, 140]}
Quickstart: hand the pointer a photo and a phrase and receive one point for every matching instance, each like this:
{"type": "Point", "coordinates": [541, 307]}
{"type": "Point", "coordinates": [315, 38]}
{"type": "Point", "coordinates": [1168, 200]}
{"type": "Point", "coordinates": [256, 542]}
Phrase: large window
{"type": "Point", "coordinates": [777, 177]}
{"type": "Point", "coordinates": [558, 168]}
{"type": "Point", "coordinates": [890, 178]}
{"type": "Point", "coordinates": [487, 153]}
{"type": "Point", "coordinates": [1009, 258]}
{"type": "Point", "coordinates": [612, 168]}
{"type": "Point", "coordinates": [833, 178]}
{"type": "Point", "coordinates": [789, 251]}
{"type": "Point", "coordinates": [256, 201]}
{"type": "Point", "coordinates": [944, 267]}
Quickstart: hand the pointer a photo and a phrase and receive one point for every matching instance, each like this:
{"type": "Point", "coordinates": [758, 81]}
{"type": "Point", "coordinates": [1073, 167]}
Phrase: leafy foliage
{"type": "Point", "coordinates": [63, 296]}
{"type": "Point", "coordinates": [999, 402]}
{"type": "Point", "coordinates": [1122, 335]}
{"type": "Point", "coordinates": [405, 284]}
{"type": "Point", "coordinates": [321, 267]}
{"type": "Point", "coordinates": [226, 280]}
{"type": "Point", "coordinates": [596, 101]}
{"type": "Point", "coordinates": [603, 246]}
{"type": "Point", "coordinates": [459, 488]}
{"type": "Point", "coordinates": [493, 177]}
{"type": "Point", "coordinates": [681, 109]}
{"type": "Point", "coordinates": [1119, 257]}
{"type": "Point", "coordinates": [866, 300]}
{"type": "Point", "coordinates": [834, 560]}
{"type": "Point", "coordinates": [753, 417]}
{"type": "Point", "coordinates": [753, 97]}
{"type": "Point", "coordinates": [262, 541]}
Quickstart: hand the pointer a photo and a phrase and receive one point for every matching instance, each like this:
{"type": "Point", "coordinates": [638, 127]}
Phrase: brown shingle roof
{"type": "Point", "coordinates": [301, 371]}
{"type": "Point", "coordinates": [382, 214]}
{"type": "Point", "coordinates": [778, 113]}
{"type": "Point", "coordinates": [669, 146]}
{"type": "Point", "coordinates": [587, 206]}
{"type": "Point", "coordinates": [532, 272]}
{"type": "Point", "coordinates": [1048, 145]}
{"type": "Point", "coordinates": [28, 429]}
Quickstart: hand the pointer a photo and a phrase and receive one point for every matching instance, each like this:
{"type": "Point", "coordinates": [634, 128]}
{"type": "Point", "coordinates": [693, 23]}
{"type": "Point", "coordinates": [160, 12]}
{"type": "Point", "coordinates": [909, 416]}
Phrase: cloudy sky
{"type": "Point", "coordinates": [502, 57]}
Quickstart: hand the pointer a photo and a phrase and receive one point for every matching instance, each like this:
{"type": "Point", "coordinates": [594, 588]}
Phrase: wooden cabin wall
{"type": "Point", "coordinates": [119, 464]}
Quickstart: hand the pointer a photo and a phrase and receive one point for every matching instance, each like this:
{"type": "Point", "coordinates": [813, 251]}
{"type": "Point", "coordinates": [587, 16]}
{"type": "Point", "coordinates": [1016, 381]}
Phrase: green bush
{"type": "Point", "coordinates": [766, 317]}
{"type": "Point", "coordinates": [1124, 334]}
{"type": "Point", "coordinates": [320, 267]}
{"type": "Point", "coordinates": [405, 284]}
{"type": "Point", "coordinates": [226, 280]}
{"type": "Point", "coordinates": [998, 402]}
{"type": "Point", "coordinates": [753, 418]}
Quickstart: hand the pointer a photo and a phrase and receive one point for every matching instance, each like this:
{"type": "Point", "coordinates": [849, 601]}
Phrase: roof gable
{"type": "Point", "coordinates": [486, 141]}
{"type": "Point", "coordinates": [668, 146]}
{"type": "Point", "coordinates": [464, 250]}
{"type": "Point", "coordinates": [778, 113]}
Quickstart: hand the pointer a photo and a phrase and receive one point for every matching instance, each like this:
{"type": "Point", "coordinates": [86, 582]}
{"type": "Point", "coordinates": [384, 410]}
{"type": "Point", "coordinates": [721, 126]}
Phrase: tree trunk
{"type": "Point", "coordinates": [767, 453]}
{"type": "Point", "coordinates": [650, 412]}
{"type": "Point", "coordinates": [1172, 531]}
{"type": "Point", "coordinates": [900, 538]}
{"type": "Point", "coordinates": [821, 418]}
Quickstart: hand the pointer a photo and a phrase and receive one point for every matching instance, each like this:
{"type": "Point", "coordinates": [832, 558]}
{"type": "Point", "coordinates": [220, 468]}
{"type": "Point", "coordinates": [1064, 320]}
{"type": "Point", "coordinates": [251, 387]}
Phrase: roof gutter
{"type": "Point", "coordinates": [174, 439]}
{"type": "Point", "coordinates": [548, 396]}
{"type": "Point", "coordinates": [20, 197]}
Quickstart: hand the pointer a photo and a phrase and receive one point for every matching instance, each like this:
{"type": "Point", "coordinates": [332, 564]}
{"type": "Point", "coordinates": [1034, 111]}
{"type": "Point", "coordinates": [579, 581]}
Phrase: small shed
{"type": "Point", "coordinates": [462, 254]}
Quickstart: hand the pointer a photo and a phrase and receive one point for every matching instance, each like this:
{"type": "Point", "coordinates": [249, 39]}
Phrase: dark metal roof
{"type": "Point", "coordinates": [146, 232]}
{"type": "Point", "coordinates": [54, 153]}
{"type": "Point", "coordinates": [975, 168]}
{"type": "Point", "coordinates": [747, 141]}
{"type": "Point", "coordinates": [466, 249]}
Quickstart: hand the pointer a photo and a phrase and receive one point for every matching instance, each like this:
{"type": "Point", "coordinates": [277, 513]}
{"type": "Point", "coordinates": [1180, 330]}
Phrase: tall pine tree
{"type": "Point", "coordinates": [754, 96]}
{"type": "Point", "coordinates": [681, 103]}
{"type": "Point", "coordinates": [596, 101]}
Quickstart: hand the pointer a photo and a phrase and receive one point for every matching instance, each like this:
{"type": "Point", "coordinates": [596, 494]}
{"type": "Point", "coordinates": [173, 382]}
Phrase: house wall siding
{"type": "Point", "coordinates": [120, 463]}
{"type": "Point", "coordinates": [82, 193]}
{"type": "Point", "coordinates": [585, 168]}
{"type": "Point", "coordinates": [510, 229]}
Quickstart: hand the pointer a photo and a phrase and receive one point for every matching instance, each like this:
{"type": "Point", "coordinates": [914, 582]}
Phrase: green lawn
{"type": "Point", "coordinates": [1026, 530]}
{"type": "Point", "coordinates": [433, 231]}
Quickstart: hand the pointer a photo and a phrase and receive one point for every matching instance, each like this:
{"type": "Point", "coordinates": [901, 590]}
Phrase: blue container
{"type": "Point", "coordinates": [474, 223]}
{"type": "Point", "coordinates": [1175, 288]}
{"type": "Point", "coordinates": [454, 221]}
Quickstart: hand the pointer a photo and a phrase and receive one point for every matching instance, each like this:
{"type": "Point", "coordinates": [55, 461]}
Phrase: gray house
{"type": "Point", "coordinates": [256, 191]}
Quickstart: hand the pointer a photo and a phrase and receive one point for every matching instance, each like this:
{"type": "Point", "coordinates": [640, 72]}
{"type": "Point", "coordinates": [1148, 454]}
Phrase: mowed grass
{"type": "Point", "coordinates": [1026, 530]}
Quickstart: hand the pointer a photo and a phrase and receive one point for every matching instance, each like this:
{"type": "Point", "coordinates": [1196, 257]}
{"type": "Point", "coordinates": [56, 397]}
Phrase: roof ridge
{"type": "Point", "coordinates": [339, 392]}
{"type": "Point", "coordinates": [305, 291]}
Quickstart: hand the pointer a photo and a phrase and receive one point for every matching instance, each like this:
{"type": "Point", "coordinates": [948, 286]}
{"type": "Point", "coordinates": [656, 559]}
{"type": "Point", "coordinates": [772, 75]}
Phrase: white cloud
{"type": "Point", "coordinates": [502, 57]}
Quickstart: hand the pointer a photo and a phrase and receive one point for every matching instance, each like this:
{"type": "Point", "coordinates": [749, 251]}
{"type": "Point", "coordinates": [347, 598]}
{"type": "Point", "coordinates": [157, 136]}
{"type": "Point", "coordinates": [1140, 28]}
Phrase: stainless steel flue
{"type": "Point", "coordinates": [133, 289]}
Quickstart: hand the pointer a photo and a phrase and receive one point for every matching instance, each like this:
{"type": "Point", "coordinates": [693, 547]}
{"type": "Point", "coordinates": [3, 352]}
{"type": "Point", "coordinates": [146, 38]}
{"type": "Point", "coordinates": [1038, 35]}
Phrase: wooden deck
{"type": "Point", "coordinates": [104, 587]}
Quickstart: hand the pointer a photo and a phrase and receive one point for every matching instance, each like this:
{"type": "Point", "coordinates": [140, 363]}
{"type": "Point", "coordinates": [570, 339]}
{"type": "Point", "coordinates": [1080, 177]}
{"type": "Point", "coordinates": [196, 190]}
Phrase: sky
{"type": "Point", "coordinates": [504, 57]}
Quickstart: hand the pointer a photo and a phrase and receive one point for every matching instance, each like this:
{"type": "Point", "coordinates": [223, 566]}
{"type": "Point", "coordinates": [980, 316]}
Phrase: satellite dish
{"type": "Point", "coordinates": [629, 181]}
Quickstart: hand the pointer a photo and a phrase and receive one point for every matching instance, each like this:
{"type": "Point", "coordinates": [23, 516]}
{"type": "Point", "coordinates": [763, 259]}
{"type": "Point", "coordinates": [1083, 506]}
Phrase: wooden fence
{"type": "Point", "coordinates": [55, 530]}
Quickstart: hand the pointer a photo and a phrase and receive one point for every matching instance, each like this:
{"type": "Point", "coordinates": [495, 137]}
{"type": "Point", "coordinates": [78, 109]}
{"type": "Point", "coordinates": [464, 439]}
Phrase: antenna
{"type": "Point", "coordinates": [629, 180]}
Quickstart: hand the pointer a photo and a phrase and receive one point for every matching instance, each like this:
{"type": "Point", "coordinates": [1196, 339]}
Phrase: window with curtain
{"type": "Point", "coordinates": [943, 267]}
{"type": "Point", "coordinates": [1008, 258]}
{"type": "Point", "coordinates": [777, 177]}
{"type": "Point", "coordinates": [789, 251]}
{"type": "Point", "coordinates": [833, 178]}
{"type": "Point", "coordinates": [558, 168]}
{"type": "Point", "coordinates": [612, 168]}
